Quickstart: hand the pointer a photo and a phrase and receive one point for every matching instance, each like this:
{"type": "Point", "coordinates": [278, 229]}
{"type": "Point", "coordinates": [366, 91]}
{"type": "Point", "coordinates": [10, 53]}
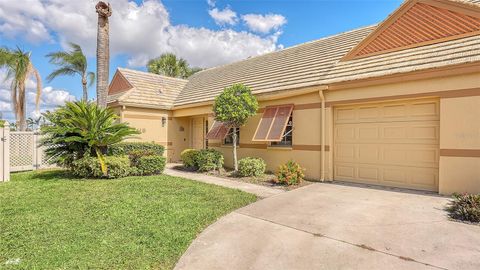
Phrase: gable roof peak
{"type": "Point", "coordinates": [418, 23]}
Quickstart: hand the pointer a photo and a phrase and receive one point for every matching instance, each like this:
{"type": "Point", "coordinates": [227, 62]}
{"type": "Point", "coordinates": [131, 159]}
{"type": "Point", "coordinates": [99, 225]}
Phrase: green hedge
{"type": "Point", "coordinates": [125, 148]}
{"type": "Point", "coordinates": [189, 157]}
{"type": "Point", "coordinates": [251, 167]}
{"type": "Point", "coordinates": [148, 165]}
{"type": "Point", "coordinates": [208, 160]}
{"type": "Point", "coordinates": [89, 167]}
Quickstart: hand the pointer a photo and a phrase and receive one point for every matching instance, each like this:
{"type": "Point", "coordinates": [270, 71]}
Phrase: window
{"type": "Point", "coordinates": [218, 131]}
{"type": "Point", "coordinates": [229, 138]}
{"type": "Point", "coordinates": [287, 137]}
{"type": "Point", "coordinates": [273, 125]}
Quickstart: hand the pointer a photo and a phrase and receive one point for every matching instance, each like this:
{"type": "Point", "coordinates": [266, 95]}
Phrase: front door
{"type": "Point", "coordinates": [198, 133]}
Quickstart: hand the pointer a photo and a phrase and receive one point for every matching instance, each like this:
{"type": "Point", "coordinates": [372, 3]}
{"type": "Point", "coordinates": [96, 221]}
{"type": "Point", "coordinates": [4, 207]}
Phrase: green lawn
{"type": "Point", "coordinates": [50, 221]}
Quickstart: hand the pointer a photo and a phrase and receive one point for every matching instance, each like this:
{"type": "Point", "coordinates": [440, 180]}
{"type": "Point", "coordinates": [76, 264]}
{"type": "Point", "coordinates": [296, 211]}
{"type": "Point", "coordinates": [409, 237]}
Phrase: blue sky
{"type": "Point", "coordinates": [206, 33]}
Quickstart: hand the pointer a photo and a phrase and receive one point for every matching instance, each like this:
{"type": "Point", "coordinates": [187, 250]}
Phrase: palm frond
{"type": "Point", "coordinates": [90, 78]}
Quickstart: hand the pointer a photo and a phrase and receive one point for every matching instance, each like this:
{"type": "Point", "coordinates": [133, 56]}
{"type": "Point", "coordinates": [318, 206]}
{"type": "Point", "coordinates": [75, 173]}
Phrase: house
{"type": "Point", "coordinates": [395, 104]}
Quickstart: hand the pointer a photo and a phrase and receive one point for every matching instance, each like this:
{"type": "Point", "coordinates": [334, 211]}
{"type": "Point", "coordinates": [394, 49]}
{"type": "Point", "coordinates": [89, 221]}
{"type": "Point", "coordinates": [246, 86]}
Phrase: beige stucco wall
{"type": "Point", "coordinates": [459, 124]}
{"type": "Point", "coordinates": [306, 136]}
{"type": "Point", "coordinates": [460, 136]}
{"type": "Point", "coordinates": [149, 123]}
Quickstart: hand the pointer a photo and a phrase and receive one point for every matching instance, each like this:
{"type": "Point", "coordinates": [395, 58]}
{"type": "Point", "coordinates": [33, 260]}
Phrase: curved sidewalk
{"type": "Point", "coordinates": [260, 191]}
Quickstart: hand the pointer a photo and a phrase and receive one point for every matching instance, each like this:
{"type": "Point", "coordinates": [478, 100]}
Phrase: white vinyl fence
{"type": "Point", "coordinates": [4, 153]}
{"type": "Point", "coordinates": [20, 151]}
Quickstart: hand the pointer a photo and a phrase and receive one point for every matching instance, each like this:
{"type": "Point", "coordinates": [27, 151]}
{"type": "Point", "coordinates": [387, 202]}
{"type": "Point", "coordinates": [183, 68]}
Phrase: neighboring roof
{"type": "Point", "coordinates": [149, 89]}
{"type": "Point", "coordinates": [299, 66]}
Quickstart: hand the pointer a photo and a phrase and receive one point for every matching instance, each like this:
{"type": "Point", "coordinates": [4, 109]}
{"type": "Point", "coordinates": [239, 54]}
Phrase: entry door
{"type": "Point", "coordinates": [198, 133]}
{"type": "Point", "coordinates": [392, 143]}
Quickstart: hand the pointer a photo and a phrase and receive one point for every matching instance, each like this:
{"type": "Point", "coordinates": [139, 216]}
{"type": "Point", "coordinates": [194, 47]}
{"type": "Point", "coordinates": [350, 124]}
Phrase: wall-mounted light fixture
{"type": "Point", "coordinates": [164, 120]}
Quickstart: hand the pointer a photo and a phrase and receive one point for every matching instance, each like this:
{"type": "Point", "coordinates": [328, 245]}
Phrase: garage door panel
{"type": "Point", "coordinates": [413, 110]}
{"type": "Point", "coordinates": [393, 144]}
{"type": "Point", "coordinates": [426, 132]}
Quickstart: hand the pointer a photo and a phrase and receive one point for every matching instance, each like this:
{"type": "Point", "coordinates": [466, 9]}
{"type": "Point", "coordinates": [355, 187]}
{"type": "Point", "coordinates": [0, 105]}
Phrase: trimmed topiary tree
{"type": "Point", "coordinates": [233, 107]}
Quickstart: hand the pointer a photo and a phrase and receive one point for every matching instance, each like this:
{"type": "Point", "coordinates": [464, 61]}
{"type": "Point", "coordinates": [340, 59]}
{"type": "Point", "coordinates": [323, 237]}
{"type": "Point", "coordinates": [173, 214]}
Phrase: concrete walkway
{"type": "Point", "coordinates": [260, 191]}
{"type": "Point", "coordinates": [331, 226]}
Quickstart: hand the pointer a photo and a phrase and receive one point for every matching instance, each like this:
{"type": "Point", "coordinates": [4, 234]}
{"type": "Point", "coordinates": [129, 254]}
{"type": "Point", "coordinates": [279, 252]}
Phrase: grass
{"type": "Point", "coordinates": [51, 221]}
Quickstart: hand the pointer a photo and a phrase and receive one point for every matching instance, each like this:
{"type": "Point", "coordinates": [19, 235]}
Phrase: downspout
{"type": "Point", "coordinates": [322, 146]}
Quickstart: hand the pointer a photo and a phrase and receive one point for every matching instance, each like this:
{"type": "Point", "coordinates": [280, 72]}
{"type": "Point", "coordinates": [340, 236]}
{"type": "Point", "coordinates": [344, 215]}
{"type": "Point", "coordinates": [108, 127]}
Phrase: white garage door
{"type": "Point", "coordinates": [391, 144]}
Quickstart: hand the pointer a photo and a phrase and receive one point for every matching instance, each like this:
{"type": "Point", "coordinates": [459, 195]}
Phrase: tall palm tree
{"type": "Point", "coordinates": [169, 65]}
{"type": "Point", "coordinates": [103, 53]}
{"type": "Point", "coordinates": [70, 63]}
{"type": "Point", "coordinates": [19, 69]}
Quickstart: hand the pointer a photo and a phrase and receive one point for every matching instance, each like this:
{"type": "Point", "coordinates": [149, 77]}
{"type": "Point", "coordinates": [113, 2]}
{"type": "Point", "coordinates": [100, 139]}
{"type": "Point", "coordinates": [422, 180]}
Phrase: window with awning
{"type": "Point", "coordinates": [218, 131]}
{"type": "Point", "coordinates": [271, 127]}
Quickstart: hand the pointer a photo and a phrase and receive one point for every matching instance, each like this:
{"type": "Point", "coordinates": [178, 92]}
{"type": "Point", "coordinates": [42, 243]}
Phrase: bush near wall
{"type": "Point", "coordinates": [209, 160]}
{"type": "Point", "coordinates": [148, 165]}
{"type": "Point", "coordinates": [290, 173]}
{"type": "Point", "coordinates": [189, 157]}
{"type": "Point", "coordinates": [251, 167]}
{"type": "Point", "coordinates": [125, 148]}
{"type": "Point", "coordinates": [89, 167]}
{"type": "Point", "coordinates": [465, 207]}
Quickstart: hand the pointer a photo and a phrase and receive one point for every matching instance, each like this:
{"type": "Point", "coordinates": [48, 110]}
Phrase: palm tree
{"type": "Point", "coordinates": [19, 69]}
{"type": "Point", "coordinates": [71, 63]}
{"type": "Point", "coordinates": [103, 54]}
{"type": "Point", "coordinates": [169, 65]}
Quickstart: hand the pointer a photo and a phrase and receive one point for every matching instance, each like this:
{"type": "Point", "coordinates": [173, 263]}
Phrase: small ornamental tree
{"type": "Point", "coordinates": [233, 108]}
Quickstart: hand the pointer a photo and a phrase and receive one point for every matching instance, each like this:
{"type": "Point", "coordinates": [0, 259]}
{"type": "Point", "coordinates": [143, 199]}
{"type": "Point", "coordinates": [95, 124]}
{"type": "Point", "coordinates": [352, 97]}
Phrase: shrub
{"type": "Point", "coordinates": [125, 148]}
{"type": "Point", "coordinates": [251, 166]}
{"type": "Point", "coordinates": [89, 167]}
{"type": "Point", "coordinates": [208, 160]}
{"type": "Point", "coordinates": [148, 165]}
{"type": "Point", "coordinates": [290, 173]}
{"type": "Point", "coordinates": [189, 157]}
{"type": "Point", "coordinates": [80, 129]}
{"type": "Point", "coordinates": [135, 156]}
{"type": "Point", "coordinates": [465, 207]}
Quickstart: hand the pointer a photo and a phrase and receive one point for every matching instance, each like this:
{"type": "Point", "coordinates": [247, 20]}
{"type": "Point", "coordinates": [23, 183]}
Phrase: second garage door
{"type": "Point", "coordinates": [391, 144]}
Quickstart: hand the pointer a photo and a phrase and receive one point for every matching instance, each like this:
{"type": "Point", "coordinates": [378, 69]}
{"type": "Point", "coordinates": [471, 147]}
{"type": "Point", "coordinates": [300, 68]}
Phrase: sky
{"type": "Point", "coordinates": [206, 33]}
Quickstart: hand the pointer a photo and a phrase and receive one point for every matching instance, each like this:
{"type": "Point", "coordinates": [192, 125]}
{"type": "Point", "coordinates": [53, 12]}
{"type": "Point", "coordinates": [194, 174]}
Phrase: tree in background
{"type": "Point", "coordinates": [233, 107]}
{"type": "Point", "coordinates": [82, 128]}
{"type": "Point", "coordinates": [103, 52]}
{"type": "Point", "coordinates": [19, 69]}
{"type": "Point", "coordinates": [70, 63]}
{"type": "Point", "coordinates": [168, 64]}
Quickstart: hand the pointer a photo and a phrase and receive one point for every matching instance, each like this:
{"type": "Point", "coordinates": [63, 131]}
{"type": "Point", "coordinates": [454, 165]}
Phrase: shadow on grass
{"type": "Point", "coordinates": [55, 175]}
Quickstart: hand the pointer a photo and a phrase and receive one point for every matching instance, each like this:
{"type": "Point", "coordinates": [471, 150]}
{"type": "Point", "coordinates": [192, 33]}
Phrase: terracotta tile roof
{"type": "Point", "coordinates": [309, 64]}
{"type": "Point", "coordinates": [459, 51]}
{"type": "Point", "coordinates": [149, 89]}
{"type": "Point", "coordinates": [294, 67]}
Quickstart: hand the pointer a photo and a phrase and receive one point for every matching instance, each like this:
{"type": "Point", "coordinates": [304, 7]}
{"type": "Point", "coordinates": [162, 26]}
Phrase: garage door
{"type": "Point", "coordinates": [391, 144]}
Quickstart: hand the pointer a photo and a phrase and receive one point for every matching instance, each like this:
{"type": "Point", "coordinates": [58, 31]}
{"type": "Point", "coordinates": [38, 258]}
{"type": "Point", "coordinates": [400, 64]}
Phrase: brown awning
{"type": "Point", "coordinates": [218, 131]}
{"type": "Point", "coordinates": [273, 123]}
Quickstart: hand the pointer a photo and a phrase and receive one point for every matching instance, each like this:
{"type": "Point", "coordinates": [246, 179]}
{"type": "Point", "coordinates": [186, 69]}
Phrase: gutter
{"type": "Point", "coordinates": [322, 135]}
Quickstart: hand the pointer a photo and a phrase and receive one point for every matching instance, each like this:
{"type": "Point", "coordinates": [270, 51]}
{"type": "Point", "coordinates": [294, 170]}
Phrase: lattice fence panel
{"type": "Point", "coordinates": [22, 151]}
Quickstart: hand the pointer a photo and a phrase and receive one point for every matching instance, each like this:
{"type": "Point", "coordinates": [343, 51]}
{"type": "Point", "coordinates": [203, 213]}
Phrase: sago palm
{"type": "Point", "coordinates": [19, 69]}
{"type": "Point", "coordinates": [71, 63]}
{"type": "Point", "coordinates": [82, 128]}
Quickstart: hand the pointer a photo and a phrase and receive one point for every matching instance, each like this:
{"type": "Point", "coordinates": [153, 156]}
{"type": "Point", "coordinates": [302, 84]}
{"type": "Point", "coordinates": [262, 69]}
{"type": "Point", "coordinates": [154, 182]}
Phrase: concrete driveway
{"type": "Point", "coordinates": [331, 226]}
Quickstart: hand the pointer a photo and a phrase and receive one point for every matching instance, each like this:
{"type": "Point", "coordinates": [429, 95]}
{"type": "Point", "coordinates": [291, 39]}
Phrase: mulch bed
{"type": "Point", "coordinates": [265, 180]}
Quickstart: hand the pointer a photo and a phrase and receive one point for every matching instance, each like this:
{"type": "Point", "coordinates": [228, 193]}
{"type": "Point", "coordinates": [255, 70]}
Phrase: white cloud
{"type": "Point", "coordinates": [211, 3]}
{"type": "Point", "coordinates": [50, 98]}
{"type": "Point", "coordinates": [264, 23]}
{"type": "Point", "coordinates": [223, 17]}
{"type": "Point", "coordinates": [139, 31]}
